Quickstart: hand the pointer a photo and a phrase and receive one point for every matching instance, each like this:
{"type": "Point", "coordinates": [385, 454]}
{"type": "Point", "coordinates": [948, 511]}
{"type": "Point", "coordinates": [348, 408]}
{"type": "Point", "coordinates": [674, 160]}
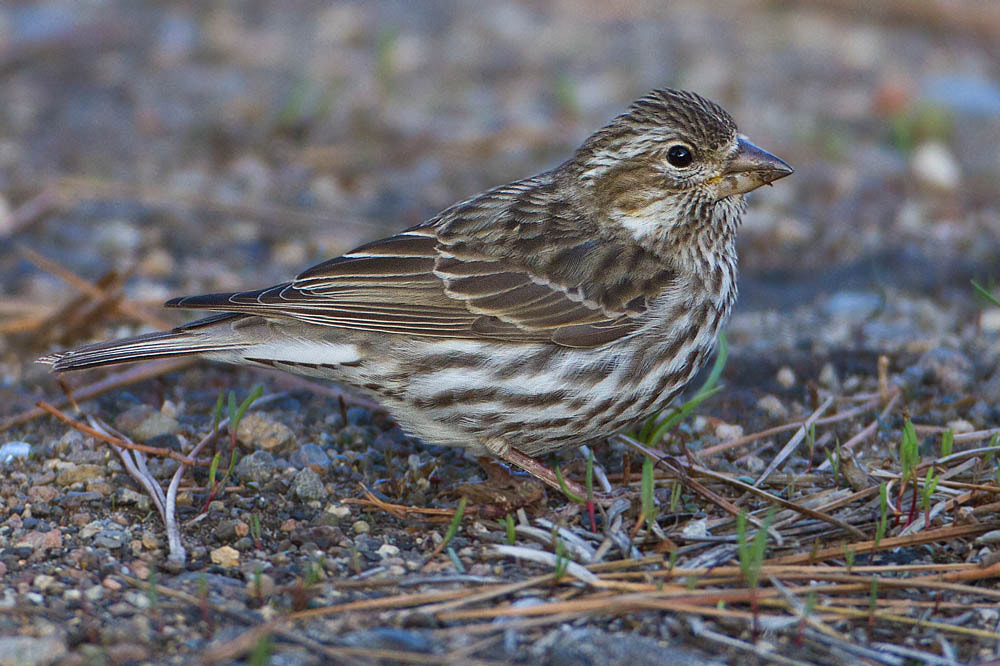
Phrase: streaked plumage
{"type": "Point", "coordinates": [547, 313]}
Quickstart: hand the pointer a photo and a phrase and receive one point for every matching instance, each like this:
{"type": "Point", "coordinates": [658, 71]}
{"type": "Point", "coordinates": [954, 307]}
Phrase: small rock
{"type": "Point", "coordinates": [828, 378]}
{"type": "Point", "coordinates": [142, 423]}
{"type": "Point", "coordinates": [94, 593]}
{"type": "Point", "coordinates": [258, 430]}
{"type": "Point", "coordinates": [696, 528]}
{"type": "Point", "coordinates": [226, 530]}
{"type": "Point", "coordinates": [43, 541]}
{"type": "Point", "coordinates": [935, 167]}
{"type": "Point", "coordinates": [225, 556]}
{"type": "Point", "coordinates": [361, 527]}
{"type": "Point", "coordinates": [257, 467]}
{"type": "Point", "coordinates": [989, 320]}
{"type": "Point", "coordinates": [149, 540]}
{"type": "Point", "coordinates": [960, 426]}
{"type": "Point", "coordinates": [786, 377]}
{"type": "Point", "coordinates": [338, 510]}
{"type": "Point", "coordinates": [129, 496]}
{"type": "Point", "coordinates": [43, 581]}
{"type": "Point", "coordinates": [388, 550]}
{"type": "Point", "coordinates": [307, 486]}
{"type": "Point", "coordinates": [110, 538]}
{"type": "Point", "coordinates": [42, 493]}
{"type": "Point", "coordinates": [72, 473]}
{"type": "Point", "coordinates": [310, 455]}
{"type": "Point", "coordinates": [773, 406]}
{"type": "Point", "coordinates": [727, 431]}
{"type": "Point", "coordinates": [27, 650]}
{"type": "Point", "coordinates": [13, 451]}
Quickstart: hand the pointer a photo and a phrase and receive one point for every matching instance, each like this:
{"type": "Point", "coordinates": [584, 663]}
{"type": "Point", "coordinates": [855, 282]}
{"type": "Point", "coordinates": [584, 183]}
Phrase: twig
{"type": "Point", "coordinates": [793, 443]}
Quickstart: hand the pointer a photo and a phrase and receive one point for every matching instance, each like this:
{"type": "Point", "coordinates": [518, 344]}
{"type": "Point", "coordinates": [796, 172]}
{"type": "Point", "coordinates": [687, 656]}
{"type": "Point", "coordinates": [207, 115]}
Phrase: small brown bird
{"type": "Point", "coordinates": [544, 314]}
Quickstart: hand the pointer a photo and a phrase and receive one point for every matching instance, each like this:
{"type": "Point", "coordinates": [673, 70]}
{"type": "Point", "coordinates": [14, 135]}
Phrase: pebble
{"type": "Point", "coordinates": [27, 650]}
{"type": "Point", "coordinates": [786, 377]}
{"type": "Point", "coordinates": [258, 430]}
{"type": "Point", "coordinates": [42, 493]}
{"type": "Point", "coordinates": [112, 539]}
{"type": "Point", "coordinates": [257, 467]}
{"type": "Point", "coordinates": [934, 166]}
{"type": "Point", "coordinates": [338, 510]}
{"type": "Point", "coordinates": [73, 473]}
{"type": "Point", "coordinates": [727, 431]}
{"type": "Point", "coordinates": [989, 320]}
{"type": "Point", "coordinates": [308, 486]}
{"type": "Point", "coordinates": [39, 540]}
{"type": "Point", "coordinates": [143, 423]}
{"type": "Point", "coordinates": [773, 406]}
{"type": "Point", "coordinates": [43, 581]}
{"type": "Point", "coordinates": [960, 426]}
{"type": "Point", "coordinates": [361, 527]}
{"type": "Point", "coordinates": [828, 377]}
{"type": "Point", "coordinates": [225, 556]}
{"type": "Point", "coordinates": [388, 550]}
{"type": "Point", "coordinates": [226, 530]}
{"type": "Point", "coordinates": [129, 496]}
{"type": "Point", "coordinates": [310, 455]}
{"type": "Point", "coordinates": [14, 451]}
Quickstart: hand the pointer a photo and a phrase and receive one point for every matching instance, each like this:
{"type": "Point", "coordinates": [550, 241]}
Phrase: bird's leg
{"type": "Point", "coordinates": [532, 466]}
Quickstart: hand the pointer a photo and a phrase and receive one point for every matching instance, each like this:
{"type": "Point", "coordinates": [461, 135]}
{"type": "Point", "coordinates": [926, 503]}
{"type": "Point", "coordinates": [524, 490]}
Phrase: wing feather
{"type": "Point", "coordinates": [442, 280]}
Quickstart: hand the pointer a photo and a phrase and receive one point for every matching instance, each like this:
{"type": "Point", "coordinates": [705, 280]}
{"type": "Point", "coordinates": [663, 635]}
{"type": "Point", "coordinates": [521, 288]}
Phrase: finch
{"type": "Point", "coordinates": [548, 313]}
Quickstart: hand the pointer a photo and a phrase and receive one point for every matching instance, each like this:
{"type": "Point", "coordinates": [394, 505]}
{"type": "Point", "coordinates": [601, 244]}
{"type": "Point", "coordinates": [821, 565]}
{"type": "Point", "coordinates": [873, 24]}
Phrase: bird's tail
{"type": "Point", "coordinates": [189, 339]}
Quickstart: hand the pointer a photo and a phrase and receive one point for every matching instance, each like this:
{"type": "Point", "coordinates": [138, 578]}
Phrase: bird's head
{"type": "Point", "coordinates": [673, 163]}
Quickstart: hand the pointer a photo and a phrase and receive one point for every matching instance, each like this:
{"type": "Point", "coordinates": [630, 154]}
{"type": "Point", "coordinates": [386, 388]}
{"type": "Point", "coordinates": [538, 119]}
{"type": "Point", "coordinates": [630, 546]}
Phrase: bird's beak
{"type": "Point", "coordinates": [749, 168]}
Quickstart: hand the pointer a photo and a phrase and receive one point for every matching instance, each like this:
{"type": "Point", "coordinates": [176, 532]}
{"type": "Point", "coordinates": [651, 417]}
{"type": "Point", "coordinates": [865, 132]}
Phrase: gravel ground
{"type": "Point", "coordinates": [192, 148]}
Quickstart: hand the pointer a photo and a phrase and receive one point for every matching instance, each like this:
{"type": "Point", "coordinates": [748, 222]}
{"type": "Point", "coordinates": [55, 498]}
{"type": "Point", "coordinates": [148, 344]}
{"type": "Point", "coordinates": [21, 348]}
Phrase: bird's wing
{"type": "Point", "coordinates": [438, 280]}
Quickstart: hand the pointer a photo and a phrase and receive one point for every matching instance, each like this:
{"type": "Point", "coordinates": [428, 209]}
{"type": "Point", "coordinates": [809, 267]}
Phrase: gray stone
{"type": "Point", "coordinates": [257, 467]}
{"type": "Point", "coordinates": [310, 455]}
{"type": "Point", "coordinates": [307, 486]}
{"type": "Point", "coordinates": [29, 650]}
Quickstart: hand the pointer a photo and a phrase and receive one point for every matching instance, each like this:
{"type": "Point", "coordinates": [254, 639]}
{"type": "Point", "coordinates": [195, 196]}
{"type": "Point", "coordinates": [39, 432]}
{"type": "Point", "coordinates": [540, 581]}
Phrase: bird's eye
{"type": "Point", "coordinates": [680, 156]}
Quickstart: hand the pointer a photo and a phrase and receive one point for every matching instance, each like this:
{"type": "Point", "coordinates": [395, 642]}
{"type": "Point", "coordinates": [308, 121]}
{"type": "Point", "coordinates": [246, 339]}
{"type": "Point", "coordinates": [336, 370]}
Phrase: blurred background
{"type": "Point", "coordinates": [154, 149]}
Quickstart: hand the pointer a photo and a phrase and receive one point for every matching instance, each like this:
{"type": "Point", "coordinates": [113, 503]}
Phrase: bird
{"type": "Point", "coordinates": [548, 313]}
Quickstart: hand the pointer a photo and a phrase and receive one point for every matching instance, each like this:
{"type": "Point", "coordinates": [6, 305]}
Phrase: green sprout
{"type": "Point", "coordinates": [455, 521]}
{"type": "Point", "coordinates": [883, 521]}
{"type": "Point", "coordinates": [511, 534]}
{"type": "Point", "coordinates": [570, 495]}
{"type": "Point", "coordinates": [947, 442]}
{"type": "Point", "coordinates": [849, 557]}
{"type": "Point", "coordinates": [562, 561]}
{"type": "Point", "coordinates": [649, 512]}
{"type": "Point", "coordinates": [981, 290]}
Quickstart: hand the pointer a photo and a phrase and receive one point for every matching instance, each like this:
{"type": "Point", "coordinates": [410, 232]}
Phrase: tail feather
{"type": "Point", "coordinates": [181, 341]}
